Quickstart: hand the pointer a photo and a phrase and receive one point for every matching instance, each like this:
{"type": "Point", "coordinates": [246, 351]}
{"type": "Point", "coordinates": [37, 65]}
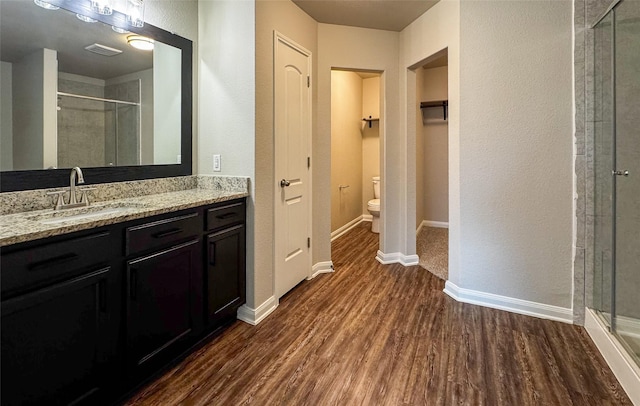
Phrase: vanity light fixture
{"type": "Point", "coordinates": [135, 13]}
{"type": "Point", "coordinates": [45, 5]}
{"type": "Point", "coordinates": [85, 18]}
{"type": "Point", "coordinates": [119, 30]}
{"type": "Point", "coordinates": [140, 42]}
{"type": "Point", "coordinates": [102, 7]}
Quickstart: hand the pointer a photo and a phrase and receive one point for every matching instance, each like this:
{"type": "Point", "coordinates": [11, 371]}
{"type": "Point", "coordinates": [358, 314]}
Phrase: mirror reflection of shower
{"type": "Point", "coordinates": [98, 124]}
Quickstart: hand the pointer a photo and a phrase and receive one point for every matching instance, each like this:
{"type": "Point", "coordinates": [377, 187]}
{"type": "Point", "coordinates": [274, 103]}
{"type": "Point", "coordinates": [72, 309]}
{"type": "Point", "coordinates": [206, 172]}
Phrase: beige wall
{"type": "Point", "coordinates": [516, 150]}
{"type": "Point", "coordinates": [346, 147]}
{"type": "Point", "coordinates": [434, 31]}
{"type": "Point", "coordinates": [289, 20]}
{"type": "Point", "coordinates": [510, 187]}
{"type": "Point", "coordinates": [370, 138]}
{"type": "Point", "coordinates": [434, 136]}
{"type": "Point", "coordinates": [419, 75]}
{"type": "Point", "coordinates": [368, 50]}
{"type": "Point", "coordinates": [6, 117]}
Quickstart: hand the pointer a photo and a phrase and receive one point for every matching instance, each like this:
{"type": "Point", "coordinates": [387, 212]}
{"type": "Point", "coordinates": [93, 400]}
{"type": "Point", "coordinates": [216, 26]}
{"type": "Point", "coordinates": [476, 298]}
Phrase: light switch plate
{"type": "Point", "coordinates": [216, 163]}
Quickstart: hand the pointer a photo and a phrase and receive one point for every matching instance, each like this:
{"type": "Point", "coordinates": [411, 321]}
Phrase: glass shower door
{"type": "Point", "coordinates": [626, 322]}
{"type": "Point", "coordinates": [603, 164]}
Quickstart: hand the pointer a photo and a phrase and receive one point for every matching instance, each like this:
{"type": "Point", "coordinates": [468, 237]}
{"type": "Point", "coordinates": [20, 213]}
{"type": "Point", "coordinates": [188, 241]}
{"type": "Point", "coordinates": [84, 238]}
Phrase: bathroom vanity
{"type": "Point", "coordinates": [93, 305]}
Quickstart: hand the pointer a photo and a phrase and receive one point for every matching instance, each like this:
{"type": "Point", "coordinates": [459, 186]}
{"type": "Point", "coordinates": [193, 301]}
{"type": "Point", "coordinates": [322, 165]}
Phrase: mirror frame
{"type": "Point", "coordinates": [53, 178]}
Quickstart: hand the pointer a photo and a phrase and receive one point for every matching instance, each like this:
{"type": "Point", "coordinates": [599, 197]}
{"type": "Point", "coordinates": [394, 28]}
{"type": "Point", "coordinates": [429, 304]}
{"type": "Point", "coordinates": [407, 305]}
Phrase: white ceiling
{"type": "Point", "coordinates": [390, 15]}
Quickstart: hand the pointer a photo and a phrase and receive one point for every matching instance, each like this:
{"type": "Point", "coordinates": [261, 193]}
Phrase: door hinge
{"type": "Point", "coordinates": [308, 242]}
{"type": "Point", "coordinates": [308, 81]}
{"type": "Point", "coordinates": [308, 162]}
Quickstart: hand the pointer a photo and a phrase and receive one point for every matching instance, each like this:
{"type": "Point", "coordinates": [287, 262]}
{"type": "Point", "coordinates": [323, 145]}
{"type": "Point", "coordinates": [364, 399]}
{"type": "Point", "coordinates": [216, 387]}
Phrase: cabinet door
{"type": "Point", "coordinates": [225, 273]}
{"type": "Point", "coordinates": [56, 343]}
{"type": "Point", "coordinates": [163, 307]}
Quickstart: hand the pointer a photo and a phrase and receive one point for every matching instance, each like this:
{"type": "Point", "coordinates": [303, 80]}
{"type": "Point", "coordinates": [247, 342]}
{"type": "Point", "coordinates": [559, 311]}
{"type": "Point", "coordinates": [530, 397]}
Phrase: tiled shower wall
{"type": "Point", "coordinates": [81, 125]}
{"type": "Point", "coordinates": [87, 129]}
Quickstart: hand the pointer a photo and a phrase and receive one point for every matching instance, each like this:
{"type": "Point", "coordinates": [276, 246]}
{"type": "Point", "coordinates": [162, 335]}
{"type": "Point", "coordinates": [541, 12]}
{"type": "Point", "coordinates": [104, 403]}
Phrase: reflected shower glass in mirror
{"type": "Point", "coordinates": [77, 93]}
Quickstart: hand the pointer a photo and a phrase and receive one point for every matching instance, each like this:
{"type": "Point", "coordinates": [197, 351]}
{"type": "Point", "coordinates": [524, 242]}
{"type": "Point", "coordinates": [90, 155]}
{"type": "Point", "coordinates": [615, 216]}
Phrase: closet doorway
{"type": "Point", "coordinates": [432, 165]}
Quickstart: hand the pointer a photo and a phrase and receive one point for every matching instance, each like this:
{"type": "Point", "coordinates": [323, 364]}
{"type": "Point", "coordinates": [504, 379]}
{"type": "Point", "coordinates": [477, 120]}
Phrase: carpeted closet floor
{"type": "Point", "coordinates": [432, 246]}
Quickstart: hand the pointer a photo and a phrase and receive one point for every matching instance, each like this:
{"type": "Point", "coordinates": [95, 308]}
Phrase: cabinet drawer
{"type": "Point", "coordinates": [223, 216]}
{"type": "Point", "coordinates": [161, 233]}
{"type": "Point", "coordinates": [35, 267]}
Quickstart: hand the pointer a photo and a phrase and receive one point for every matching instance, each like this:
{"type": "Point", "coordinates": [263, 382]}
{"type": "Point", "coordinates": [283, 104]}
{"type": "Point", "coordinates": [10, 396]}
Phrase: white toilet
{"type": "Point", "coordinates": [374, 205]}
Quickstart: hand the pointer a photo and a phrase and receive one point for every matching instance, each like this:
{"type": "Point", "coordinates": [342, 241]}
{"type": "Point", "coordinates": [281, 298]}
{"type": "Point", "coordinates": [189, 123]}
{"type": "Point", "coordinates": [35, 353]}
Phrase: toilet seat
{"type": "Point", "coordinates": [374, 204]}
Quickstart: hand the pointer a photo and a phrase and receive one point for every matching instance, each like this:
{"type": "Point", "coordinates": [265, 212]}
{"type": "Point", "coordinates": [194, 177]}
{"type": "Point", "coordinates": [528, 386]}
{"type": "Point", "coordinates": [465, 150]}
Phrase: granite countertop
{"type": "Point", "coordinates": [29, 225]}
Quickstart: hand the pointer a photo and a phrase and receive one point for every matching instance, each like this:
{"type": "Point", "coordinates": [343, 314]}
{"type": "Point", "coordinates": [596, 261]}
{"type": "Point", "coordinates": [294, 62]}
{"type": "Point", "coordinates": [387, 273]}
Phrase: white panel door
{"type": "Point", "coordinates": [292, 123]}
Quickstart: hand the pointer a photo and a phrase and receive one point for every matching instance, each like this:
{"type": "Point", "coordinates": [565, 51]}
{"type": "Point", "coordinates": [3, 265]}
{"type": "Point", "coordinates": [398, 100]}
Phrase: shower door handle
{"type": "Point", "coordinates": [620, 173]}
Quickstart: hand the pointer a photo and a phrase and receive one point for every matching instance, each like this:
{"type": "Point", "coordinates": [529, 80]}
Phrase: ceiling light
{"type": "Point", "coordinates": [140, 42]}
{"type": "Point", "coordinates": [119, 30]}
{"type": "Point", "coordinates": [85, 18]}
{"type": "Point", "coordinates": [45, 5]}
{"type": "Point", "coordinates": [102, 7]}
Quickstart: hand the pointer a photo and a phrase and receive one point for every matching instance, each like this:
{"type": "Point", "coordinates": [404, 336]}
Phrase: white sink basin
{"type": "Point", "coordinates": [84, 213]}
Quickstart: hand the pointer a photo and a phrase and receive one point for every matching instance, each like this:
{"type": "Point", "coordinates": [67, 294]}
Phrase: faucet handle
{"type": "Point", "coordinates": [84, 198]}
{"type": "Point", "coordinates": [59, 200]}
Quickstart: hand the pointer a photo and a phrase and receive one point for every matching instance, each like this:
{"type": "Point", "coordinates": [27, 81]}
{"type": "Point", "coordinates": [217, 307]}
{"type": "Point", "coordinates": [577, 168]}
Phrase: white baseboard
{"type": "Point", "coordinates": [623, 367]}
{"type": "Point", "coordinates": [397, 258]}
{"type": "Point", "coordinates": [255, 316]}
{"type": "Point", "coordinates": [367, 217]}
{"type": "Point", "coordinates": [321, 267]}
{"type": "Point", "coordinates": [510, 304]}
{"type": "Point", "coordinates": [345, 228]}
{"type": "Point", "coordinates": [430, 223]}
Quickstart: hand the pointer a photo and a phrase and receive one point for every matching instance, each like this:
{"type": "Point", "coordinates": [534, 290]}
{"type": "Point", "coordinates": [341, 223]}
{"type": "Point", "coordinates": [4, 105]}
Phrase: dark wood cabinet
{"type": "Point", "coordinates": [225, 274]}
{"type": "Point", "coordinates": [59, 342]}
{"type": "Point", "coordinates": [163, 305]}
{"type": "Point", "coordinates": [88, 316]}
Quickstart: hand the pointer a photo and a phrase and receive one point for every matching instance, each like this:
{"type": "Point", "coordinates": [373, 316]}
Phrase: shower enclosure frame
{"type": "Point", "coordinates": [598, 303]}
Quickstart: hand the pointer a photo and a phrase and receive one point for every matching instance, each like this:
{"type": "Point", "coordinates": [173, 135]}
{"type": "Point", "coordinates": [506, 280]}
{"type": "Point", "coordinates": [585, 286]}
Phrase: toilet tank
{"type": "Point", "coordinates": [376, 187]}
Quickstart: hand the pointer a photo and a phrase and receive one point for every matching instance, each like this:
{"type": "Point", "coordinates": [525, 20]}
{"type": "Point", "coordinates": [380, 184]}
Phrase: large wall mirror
{"type": "Point", "coordinates": [77, 92]}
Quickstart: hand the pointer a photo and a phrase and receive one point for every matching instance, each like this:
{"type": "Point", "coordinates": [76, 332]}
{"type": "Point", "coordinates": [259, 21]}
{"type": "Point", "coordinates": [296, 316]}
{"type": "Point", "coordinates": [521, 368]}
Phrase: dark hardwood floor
{"type": "Point", "coordinates": [372, 334]}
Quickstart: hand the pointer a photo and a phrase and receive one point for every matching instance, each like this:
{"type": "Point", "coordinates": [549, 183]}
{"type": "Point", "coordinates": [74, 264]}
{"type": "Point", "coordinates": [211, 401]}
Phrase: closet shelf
{"type": "Point", "coordinates": [370, 120]}
{"type": "Point", "coordinates": [436, 103]}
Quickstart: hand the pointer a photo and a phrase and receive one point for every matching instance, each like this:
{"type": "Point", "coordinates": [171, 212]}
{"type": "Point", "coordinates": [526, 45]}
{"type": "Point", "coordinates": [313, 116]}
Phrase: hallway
{"type": "Point", "coordinates": [373, 334]}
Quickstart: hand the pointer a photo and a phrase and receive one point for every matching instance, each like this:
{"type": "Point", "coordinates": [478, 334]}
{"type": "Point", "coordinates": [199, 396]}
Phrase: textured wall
{"type": "Point", "coordinates": [436, 149]}
{"type": "Point", "coordinates": [434, 31]}
{"type": "Point", "coordinates": [6, 117]}
{"type": "Point", "coordinates": [516, 149]}
{"type": "Point", "coordinates": [360, 49]}
{"type": "Point", "coordinates": [370, 138]}
{"type": "Point", "coordinates": [419, 75]}
{"type": "Point", "coordinates": [346, 147]}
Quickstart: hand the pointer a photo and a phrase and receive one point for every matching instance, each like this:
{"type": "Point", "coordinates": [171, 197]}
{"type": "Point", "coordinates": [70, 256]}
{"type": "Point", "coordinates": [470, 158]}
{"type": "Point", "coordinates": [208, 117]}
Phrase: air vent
{"type": "Point", "coordinates": [102, 50]}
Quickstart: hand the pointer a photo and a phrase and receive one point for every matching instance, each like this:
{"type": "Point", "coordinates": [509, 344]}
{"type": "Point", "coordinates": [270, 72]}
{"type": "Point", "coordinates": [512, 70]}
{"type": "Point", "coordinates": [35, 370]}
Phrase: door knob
{"type": "Point", "coordinates": [284, 183]}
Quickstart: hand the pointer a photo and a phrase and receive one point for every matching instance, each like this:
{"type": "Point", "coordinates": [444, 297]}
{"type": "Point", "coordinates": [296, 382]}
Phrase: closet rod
{"type": "Point", "coordinates": [79, 96]}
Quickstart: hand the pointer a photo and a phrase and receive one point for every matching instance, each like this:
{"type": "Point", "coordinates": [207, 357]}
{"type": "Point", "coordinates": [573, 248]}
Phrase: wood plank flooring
{"type": "Point", "coordinates": [372, 334]}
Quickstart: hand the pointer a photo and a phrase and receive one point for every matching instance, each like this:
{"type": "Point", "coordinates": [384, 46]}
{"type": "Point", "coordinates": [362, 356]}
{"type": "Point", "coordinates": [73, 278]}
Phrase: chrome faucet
{"type": "Point", "coordinates": [75, 178]}
{"type": "Point", "coordinates": [75, 172]}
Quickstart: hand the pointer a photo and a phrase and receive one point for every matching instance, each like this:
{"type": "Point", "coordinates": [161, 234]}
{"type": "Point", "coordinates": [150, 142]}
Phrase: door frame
{"type": "Point", "coordinates": [279, 37]}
